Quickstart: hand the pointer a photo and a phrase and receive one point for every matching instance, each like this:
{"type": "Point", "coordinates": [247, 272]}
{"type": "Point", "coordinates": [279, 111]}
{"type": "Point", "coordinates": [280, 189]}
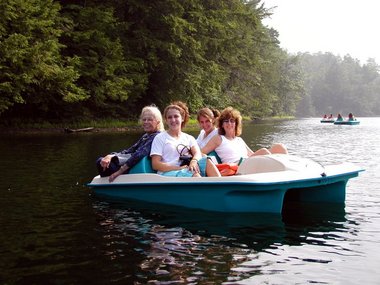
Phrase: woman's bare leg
{"type": "Point", "coordinates": [211, 169]}
{"type": "Point", "coordinates": [262, 151]}
{"type": "Point", "coordinates": [279, 148]}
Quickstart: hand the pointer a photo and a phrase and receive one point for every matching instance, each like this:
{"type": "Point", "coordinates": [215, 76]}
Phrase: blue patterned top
{"type": "Point", "coordinates": [132, 155]}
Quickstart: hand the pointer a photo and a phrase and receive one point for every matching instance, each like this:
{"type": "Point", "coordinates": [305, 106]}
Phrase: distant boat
{"type": "Point", "coordinates": [89, 129]}
{"type": "Point", "coordinates": [327, 120]}
{"type": "Point", "coordinates": [347, 122]}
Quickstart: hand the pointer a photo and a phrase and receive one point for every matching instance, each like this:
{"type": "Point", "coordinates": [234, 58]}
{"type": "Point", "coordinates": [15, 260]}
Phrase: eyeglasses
{"type": "Point", "coordinates": [232, 121]}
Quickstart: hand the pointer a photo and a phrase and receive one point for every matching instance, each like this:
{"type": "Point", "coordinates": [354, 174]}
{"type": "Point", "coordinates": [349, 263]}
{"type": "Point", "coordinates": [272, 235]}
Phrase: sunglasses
{"type": "Point", "coordinates": [232, 121]}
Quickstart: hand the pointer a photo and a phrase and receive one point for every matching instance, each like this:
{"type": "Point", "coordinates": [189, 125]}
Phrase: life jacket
{"type": "Point", "coordinates": [227, 169]}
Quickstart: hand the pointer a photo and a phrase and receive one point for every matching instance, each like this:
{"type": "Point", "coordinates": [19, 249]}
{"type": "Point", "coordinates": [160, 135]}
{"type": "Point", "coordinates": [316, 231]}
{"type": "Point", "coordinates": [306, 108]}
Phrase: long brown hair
{"type": "Point", "coordinates": [209, 113]}
{"type": "Point", "coordinates": [182, 108]}
{"type": "Point", "coordinates": [230, 113]}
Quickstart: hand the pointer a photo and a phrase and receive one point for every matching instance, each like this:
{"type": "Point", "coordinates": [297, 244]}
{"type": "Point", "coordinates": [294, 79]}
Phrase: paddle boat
{"type": "Point", "coordinates": [261, 185]}
{"type": "Point", "coordinates": [329, 119]}
{"type": "Point", "coordinates": [350, 121]}
{"type": "Point", "coordinates": [347, 122]}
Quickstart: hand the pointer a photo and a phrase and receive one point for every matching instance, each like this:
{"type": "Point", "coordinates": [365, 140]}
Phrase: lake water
{"type": "Point", "coordinates": [53, 231]}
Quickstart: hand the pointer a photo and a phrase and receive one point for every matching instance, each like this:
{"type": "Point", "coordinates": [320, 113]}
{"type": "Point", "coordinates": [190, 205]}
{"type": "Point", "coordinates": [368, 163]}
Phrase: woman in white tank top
{"type": "Point", "coordinates": [228, 144]}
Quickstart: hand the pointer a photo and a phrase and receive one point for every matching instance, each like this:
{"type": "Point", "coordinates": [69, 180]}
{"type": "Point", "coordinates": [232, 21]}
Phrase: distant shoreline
{"type": "Point", "coordinates": [58, 130]}
{"type": "Point", "coordinates": [100, 128]}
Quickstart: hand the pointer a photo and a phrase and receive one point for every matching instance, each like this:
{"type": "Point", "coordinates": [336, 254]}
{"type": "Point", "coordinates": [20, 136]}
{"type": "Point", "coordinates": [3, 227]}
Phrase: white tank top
{"type": "Point", "coordinates": [231, 151]}
{"type": "Point", "coordinates": [202, 140]}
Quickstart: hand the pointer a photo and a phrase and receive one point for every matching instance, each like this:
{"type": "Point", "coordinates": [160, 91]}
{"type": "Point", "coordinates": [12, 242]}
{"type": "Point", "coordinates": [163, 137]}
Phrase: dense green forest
{"type": "Point", "coordinates": [75, 60]}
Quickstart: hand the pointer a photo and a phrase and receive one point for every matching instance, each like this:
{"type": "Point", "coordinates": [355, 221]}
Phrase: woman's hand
{"type": "Point", "coordinates": [105, 162]}
{"type": "Point", "coordinates": [193, 166]}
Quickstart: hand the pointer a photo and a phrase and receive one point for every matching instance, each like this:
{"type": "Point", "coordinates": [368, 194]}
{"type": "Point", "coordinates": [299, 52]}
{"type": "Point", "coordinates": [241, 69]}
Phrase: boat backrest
{"type": "Point", "coordinates": [143, 166]}
{"type": "Point", "coordinates": [260, 164]}
{"type": "Point", "coordinates": [214, 154]}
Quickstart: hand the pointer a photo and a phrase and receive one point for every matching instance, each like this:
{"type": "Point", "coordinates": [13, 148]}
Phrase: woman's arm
{"type": "Point", "coordinates": [212, 144]}
{"type": "Point", "coordinates": [158, 165]}
{"type": "Point", "coordinates": [197, 155]}
{"type": "Point", "coordinates": [141, 149]}
{"type": "Point", "coordinates": [250, 152]}
{"type": "Point", "coordinates": [121, 170]}
{"type": "Point", "coordinates": [196, 152]}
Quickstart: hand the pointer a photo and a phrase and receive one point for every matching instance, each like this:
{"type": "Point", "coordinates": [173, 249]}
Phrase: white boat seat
{"type": "Point", "coordinates": [260, 164]}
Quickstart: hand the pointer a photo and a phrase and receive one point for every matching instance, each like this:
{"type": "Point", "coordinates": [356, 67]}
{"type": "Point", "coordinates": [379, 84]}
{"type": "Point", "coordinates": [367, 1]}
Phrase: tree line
{"type": "Point", "coordinates": [333, 84]}
{"type": "Point", "coordinates": [85, 59]}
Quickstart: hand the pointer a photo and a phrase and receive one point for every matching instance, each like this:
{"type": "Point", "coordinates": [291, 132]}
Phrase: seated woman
{"type": "Point", "coordinates": [117, 163]}
{"type": "Point", "coordinates": [168, 146]}
{"type": "Point", "coordinates": [207, 119]}
{"type": "Point", "coordinates": [228, 144]}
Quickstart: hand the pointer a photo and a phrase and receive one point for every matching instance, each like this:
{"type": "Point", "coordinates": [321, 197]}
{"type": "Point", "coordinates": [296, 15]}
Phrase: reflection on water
{"type": "Point", "coordinates": [183, 245]}
{"type": "Point", "coordinates": [53, 231]}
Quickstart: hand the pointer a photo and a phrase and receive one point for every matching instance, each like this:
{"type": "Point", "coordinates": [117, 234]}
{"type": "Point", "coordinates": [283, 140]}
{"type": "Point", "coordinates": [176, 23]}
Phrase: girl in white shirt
{"type": "Point", "coordinates": [207, 119]}
{"type": "Point", "coordinates": [228, 144]}
{"type": "Point", "coordinates": [168, 146]}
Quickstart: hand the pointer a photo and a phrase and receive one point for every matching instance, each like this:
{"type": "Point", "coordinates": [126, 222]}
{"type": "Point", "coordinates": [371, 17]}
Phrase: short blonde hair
{"type": "Point", "coordinates": [156, 114]}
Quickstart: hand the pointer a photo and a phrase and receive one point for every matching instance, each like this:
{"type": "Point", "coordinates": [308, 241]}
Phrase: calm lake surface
{"type": "Point", "coordinates": [53, 231]}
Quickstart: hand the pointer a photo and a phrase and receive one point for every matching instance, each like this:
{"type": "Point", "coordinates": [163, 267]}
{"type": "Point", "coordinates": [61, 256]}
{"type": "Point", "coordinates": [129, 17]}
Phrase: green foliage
{"type": "Point", "coordinates": [81, 60]}
{"type": "Point", "coordinates": [32, 70]}
{"type": "Point", "coordinates": [106, 73]}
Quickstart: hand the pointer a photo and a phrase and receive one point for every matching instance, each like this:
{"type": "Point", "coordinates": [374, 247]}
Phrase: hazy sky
{"type": "Point", "coordinates": [337, 26]}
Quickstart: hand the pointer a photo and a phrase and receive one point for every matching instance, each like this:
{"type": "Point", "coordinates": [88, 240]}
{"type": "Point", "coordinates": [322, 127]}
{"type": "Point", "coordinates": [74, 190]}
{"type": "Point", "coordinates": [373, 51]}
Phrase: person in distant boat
{"type": "Point", "coordinates": [169, 146]}
{"type": "Point", "coordinates": [351, 117]}
{"type": "Point", "coordinates": [325, 117]}
{"type": "Point", "coordinates": [228, 144]}
{"type": "Point", "coordinates": [207, 119]}
{"type": "Point", "coordinates": [117, 163]}
{"type": "Point", "coordinates": [331, 117]}
{"type": "Point", "coordinates": [339, 118]}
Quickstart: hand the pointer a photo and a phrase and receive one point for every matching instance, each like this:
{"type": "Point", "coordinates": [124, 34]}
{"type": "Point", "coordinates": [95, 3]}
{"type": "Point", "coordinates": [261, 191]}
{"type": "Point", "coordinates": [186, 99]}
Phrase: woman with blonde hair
{"type": "Point", "coordinates": [117, 163]}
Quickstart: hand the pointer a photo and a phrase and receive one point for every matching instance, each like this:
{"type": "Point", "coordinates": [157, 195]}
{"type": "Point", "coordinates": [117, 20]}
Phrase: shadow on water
{"type": "Point", "coordinates": [256, 231]}
{"type": "Point", "coordinates": [167, 241]}
{"type": "Point", "coordinates": [305, 223]}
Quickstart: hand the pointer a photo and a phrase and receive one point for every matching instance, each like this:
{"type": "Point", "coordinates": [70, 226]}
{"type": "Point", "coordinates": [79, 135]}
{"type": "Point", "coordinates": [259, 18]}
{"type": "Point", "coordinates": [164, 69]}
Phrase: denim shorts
{"type": "Point", "coordinates": [186, 172]}
{"type": "Point", "coordinates": [178, 173]}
